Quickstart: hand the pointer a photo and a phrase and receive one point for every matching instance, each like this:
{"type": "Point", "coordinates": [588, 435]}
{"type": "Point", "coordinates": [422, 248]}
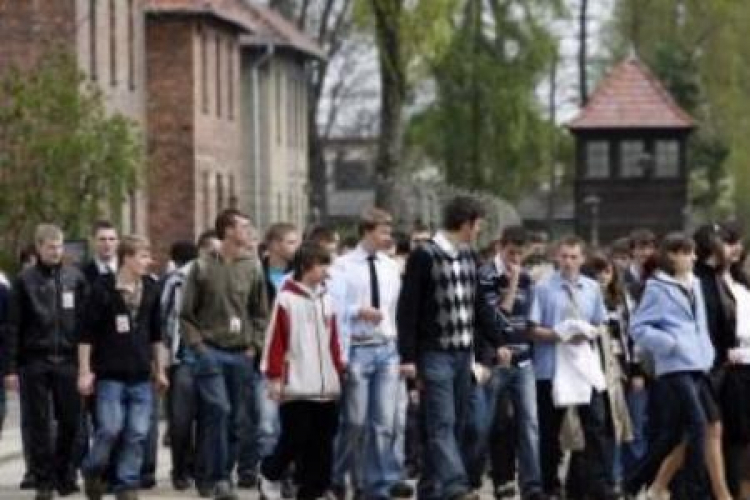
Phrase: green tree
{"type": "Point", "coordinates": [486, 127]}
{"type": "Point", "coordinates": [62, 157]}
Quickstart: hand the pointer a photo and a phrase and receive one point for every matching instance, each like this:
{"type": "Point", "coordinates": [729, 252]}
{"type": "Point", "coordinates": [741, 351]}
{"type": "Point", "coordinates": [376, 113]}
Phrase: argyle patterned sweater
{"type": "Point", "coordinates": [437, 302]}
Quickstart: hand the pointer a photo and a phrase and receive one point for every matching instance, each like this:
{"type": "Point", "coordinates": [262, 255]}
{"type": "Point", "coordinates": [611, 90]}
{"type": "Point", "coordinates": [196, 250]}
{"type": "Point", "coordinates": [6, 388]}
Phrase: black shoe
{"type": "Point", "coordinates": [148, 483]}
{"type": "Point", "coordinates": [94, 488]}
{"type": "Point", "coordinates": [535, 495]}
{"type": "Point", "coordinates": [43, 494]}
{"type": "Point", "coordinates": [28, 482]}
{"type": "Point", "coordinates": [338, 491]}
{"type": "Point", "coordinates": [401, 489]}
{"type": "Point", "coordinates": [469, 495]}
{"type": "Point", "coordinates": [247, 481]}
{"type": "Point", "coordinates": [180, 483]}
{"type": "Point", "coordinates": [67, 488]}
{"type": "Point", "coordinates": [205, 490]}
{"type": "Point", "coordinates": [505, 491]}
{"type": "Point", "coordinates": [127, 495]}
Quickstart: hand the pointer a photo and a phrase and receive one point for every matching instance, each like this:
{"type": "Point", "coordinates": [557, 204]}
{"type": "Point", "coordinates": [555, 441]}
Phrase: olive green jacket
{"type": "Point", "coordinates": [224, 304]}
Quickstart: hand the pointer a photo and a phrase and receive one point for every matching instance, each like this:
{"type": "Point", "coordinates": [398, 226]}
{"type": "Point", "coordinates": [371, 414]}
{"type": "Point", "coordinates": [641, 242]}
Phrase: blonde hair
{"type": "Point", "coordinates": [131, 245]}
{"type": "Point", "coordinates": [47, 232]}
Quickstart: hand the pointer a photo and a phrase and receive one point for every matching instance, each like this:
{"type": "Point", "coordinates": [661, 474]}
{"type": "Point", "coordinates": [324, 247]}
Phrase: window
{"type": "Point", "coordinates": [204, 67]}
{"type": "Point", "coordinates": [218, 74]}
{"type": "Point", "coordinates": [219, 193]}
{"type": "Point", "coordinates": [352, 175]}
{"type": "Point", "coordinates": [131, 45]}
{"type": "Point", "coordinates": [279, 114]}
{"type": "Point", "coordinates": [667, 158]}
{"type": "Point", "coordinates": [93, 25]}
{"type": "Point", "coordinates": [112, 43]}
{"type": "Point", "coordinates": [597, 160]}
{"type": "Point", "coordinates": [232, 192]}
{"type": "Point", "coordinates": [231, 61]}
{"type": "Point", "coordinates": [631, 158]}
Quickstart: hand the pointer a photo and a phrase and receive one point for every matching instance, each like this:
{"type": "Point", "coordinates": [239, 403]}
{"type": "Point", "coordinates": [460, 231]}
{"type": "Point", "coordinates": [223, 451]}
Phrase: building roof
{"type": "Point", "coordinates": [261, 25]}
{"type": "Point", "coordinates": [630, 96]}
{"type": "Point", "coordinates": [230, 11]}
{"type": "Point", "coordinates": [274, 29]}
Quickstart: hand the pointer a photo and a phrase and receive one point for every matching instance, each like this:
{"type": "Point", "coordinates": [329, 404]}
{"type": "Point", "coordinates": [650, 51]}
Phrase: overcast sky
{"type": "Point", "coordinates": [354, 75]}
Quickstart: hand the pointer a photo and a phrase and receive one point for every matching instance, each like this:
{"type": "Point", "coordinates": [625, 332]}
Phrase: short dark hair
{"type": "Point", "coordinates": [100, 225]}
{"type": "Point", "coordinates": [734, 232]}
{"type": "Point", "coordinates": [642, 237]}
{"type": "Point", "coordinates": [226, 219]}
{"type": "Point", "coordinates": [403, 243]}
{"type": "Point", "coordinates": [321, 234]}
{"type": "Point", "coordinates": [308, 255]}
{"type": "Point", "coordinates": [205, 237]}
{"type": "Point", "coordinates": [279, 231]}
{"type": "Point", "coordinates": [514, 235]}
{"type": "Point", "coordinates": [460, 210]}
{"type": "Point", "coordinates": [673, 243]}
{"type": "Point", "coordinates": [620, 246]}
{"type": "Point", "coordinates": [183, 252]}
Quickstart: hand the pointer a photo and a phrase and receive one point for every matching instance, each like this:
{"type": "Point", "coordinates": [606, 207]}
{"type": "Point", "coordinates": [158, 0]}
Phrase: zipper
{"type": "Point", "coordinates": [57, 289]}
{"type": "Point", "coordinates": [320, 348]}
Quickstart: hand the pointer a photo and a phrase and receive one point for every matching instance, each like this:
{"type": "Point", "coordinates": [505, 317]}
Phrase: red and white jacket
{"type": "Point", "coordinates": [302, 345]}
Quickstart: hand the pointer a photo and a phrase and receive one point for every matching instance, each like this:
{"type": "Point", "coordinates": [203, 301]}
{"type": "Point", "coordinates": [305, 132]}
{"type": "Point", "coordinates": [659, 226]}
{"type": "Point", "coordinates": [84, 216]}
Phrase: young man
{"type": "Point", "coordinates": [365, 286]}
{"type": "Point", "coordinates": [44, 324]}
{"type": "Point", "coordinates": [182, 404]}
{"type": "Point", "coordinates": [223, 318]}
{"type": "Point", "coordinates": [563, 297]}
{"type": "Point", "coordinates": [104, 240]}
{"type": "Point", "coordinates": [436, 333]}
{"type": "Point", "coordinates": [119, 345]}
{"type": "Point", "coordinates": [504, 304]}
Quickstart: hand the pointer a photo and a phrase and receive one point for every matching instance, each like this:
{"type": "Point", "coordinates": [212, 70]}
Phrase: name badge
{"type": "Point", "coordinates": [122, 323]}
{"type": "Point", "coordinates": [68, 300]}
{"type": "Point", "coordinates": [235, 325]}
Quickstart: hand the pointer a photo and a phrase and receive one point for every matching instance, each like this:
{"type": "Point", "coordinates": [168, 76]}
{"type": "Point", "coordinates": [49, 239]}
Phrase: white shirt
{"type": "Point", "coordinates": [350, 289]}
{"type": "Point", "coordinates": [106, 267]}
{"type": "Point", "coordinates": [742, 300]}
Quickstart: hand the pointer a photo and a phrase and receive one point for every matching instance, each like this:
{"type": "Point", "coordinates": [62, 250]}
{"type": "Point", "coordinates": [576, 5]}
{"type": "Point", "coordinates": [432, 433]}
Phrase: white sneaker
{"type": "Point", "coordinates": [652, 495]}
{"type": "Point", "coordinates": [269, 490]}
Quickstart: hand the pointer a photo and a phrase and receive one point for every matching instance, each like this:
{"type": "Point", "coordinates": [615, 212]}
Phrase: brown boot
{"type": "Point", "coordinates": [127, 495]}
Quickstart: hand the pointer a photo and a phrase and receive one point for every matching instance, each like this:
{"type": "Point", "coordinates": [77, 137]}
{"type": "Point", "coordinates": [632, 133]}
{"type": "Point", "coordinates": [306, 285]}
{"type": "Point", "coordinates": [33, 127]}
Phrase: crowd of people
{"type": "Point", "coordinates": [309, 368]}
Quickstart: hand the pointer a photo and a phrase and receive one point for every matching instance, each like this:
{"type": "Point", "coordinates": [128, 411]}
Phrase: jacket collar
{"type": "Point", "coordinates": [678, 292]}
{"type": "Point", "coordinates": [300, 289]}
{"type": "Point", "coordinates": [446, 245]}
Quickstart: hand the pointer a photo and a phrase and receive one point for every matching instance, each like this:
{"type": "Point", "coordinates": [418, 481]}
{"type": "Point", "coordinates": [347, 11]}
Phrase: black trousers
{"type": "Point", "coordinates": [183, 422]}
{"type": "Point", "coordinates": [308, 429]}
{"type": "Point", "coordinates": [590, 473]}
{"type": "Point", "coordinates": [44, 381]}
{"type": "Point", "coordinates": [504, 440]}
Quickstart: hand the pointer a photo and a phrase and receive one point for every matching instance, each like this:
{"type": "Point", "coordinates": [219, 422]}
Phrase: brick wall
{"type": "Point", "coordinates": [171, 138]}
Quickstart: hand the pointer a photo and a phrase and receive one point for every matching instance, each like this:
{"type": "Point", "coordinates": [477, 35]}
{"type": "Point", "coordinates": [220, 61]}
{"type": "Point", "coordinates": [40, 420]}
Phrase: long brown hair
{"type": "Point", "coordinates": [614, 294]}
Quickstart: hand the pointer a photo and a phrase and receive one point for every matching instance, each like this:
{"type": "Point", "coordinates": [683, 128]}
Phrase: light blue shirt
{"type": "Point", "coordinates": [552, 305]}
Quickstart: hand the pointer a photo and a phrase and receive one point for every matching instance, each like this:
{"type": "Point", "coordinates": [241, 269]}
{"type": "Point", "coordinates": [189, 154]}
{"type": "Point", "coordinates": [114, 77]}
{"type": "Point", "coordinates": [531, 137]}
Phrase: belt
{"type": "Point", "coordinates": [370, 340]}
{"type": "Point", "coordinates": [233, 349]}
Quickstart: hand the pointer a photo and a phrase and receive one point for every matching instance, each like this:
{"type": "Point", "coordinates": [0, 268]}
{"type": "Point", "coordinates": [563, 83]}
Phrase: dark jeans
{"type": "Point", "coordinates": [182, 410]}
{"type": "Point", "coordinates": [446, 379]}
{"type": "Point", "coordinates": [220, 377]}
{"type": "Point", "coordinates": [151, 446]}
{"type": "Point", "coordinates": [308, 429]}
{"type": "Point", "coordinates": [248, 455]}
{"type": "Point", "coordinates": [123, 415]}
{"type": "Point", "coordinates": [590, 475]}
{"type": "Point", "coordinates": [503, 441]}
{"type": "Point", "coordinates": [678, 416]}
{"type": "Point", "coordinates": [44, 381]}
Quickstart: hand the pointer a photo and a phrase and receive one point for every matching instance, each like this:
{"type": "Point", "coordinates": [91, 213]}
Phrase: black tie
{"type": "Point", "coordinates": [374, 287]}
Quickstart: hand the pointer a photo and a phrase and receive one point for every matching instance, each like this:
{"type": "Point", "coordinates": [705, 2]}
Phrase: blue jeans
{"type": "Point", "coordinates": [372, 390]}
{"type": "Point", "coordinates": [521, 382]}
{"type": "Point", "coordinates": [123, 415]}
{"type": "Point", "coordinates": [269, 425]}
{"type": "Point", "coordinates": [636, 449]}
{"type": "Point", "coordinates": [446, 379]}
{"type": "Point", "coordinates": [219, 377]}
{"type": "Point", "coordinates": [248, 456]}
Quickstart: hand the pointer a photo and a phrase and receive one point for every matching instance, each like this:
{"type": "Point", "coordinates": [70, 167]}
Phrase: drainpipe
{"type": "Point", "coordinates": [269, 51]}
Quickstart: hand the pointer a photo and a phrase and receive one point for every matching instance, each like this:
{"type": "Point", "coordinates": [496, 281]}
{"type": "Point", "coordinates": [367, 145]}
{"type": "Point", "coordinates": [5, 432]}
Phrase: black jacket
{"type": "Point", "coordinates": [45, 314]}
{"type": "Point", "coordinates": [721, 311]}
{"type": "Point", "coordinates": [123, 355]}
{"type": "Point", "coordinates": [270, 288]}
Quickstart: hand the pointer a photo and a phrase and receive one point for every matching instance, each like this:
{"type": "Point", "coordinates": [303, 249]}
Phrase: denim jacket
{"type": "Point", "coordinates": [670, 323]}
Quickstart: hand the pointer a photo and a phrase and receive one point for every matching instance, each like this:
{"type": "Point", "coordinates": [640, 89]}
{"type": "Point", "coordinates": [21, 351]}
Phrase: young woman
{"type": "Point", "coordinates": [670, 325]}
